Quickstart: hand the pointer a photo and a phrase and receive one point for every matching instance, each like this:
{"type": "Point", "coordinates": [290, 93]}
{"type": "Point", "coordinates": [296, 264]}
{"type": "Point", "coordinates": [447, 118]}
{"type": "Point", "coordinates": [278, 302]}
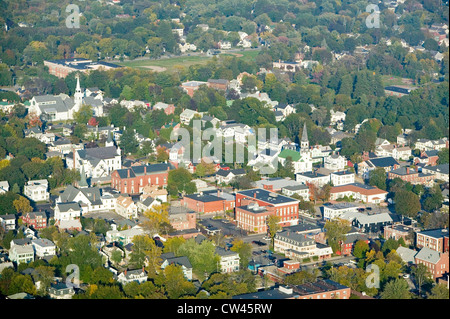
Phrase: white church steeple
{"type": "Point", "coordinates": [78, 97]}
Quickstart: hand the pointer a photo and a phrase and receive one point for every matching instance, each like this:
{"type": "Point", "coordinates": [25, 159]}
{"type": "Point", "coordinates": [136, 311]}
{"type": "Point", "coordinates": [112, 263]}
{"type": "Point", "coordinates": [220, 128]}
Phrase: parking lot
{"type": "Point", "coordinates": [227, 228]}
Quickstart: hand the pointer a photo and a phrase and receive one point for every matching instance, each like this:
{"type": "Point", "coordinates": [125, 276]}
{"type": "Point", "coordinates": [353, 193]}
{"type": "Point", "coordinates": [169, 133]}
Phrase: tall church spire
{"type": "Point", "coordinates": [78, 97]}
{"type": "Point", "coordinates": [304, 143]}
{"type": "Point", "coordinates": [83, 180]}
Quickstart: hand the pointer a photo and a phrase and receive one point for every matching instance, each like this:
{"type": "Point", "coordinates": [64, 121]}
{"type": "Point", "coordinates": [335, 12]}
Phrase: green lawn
{"type": "Point", "coordinates": [396, 80]}
{"type": "Point", "coordinates": [185, 61]}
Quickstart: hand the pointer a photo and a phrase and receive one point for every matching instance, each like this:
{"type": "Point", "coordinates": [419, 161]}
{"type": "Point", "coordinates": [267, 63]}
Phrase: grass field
{"type": "Point", "coordinates": [396, 80]}
{"type": "Point", "coordinates": [185, 61]}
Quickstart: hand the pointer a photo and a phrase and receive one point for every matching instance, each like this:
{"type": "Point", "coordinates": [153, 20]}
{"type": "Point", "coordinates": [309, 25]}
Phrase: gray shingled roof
{"type": "Point", "coordinates": [428, 255]}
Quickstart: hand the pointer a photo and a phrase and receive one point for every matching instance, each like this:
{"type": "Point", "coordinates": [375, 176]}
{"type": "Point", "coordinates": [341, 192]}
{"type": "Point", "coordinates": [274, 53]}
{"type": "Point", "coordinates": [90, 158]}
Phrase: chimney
{"type": "Point", "coordinates": [254, 195]}
{"type": "Point", "coordinates": [128, 171]}
{"type": "Point", "coordinates": [125, 272]}
{"type": "Point", "coordinates": [145, 169]}
{"type": "Point", "coordinates": [407, 170]}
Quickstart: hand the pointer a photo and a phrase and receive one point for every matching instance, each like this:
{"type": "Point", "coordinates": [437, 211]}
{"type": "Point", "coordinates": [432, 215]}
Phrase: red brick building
{"type": "Point", "coordinates": [218, 84]}
{"type": "Point", "coordinates": [284, 207]}
{"type": "Point", "coordinates": [37, 220]}
{"type": "Point", "coordinates": [132, 180]}
{"type": "Point", "coordinates": [436, 262]}
{"type": "Point", "coordinates": [253, 217]}
{"type": "Point", "coordinates": [408, 174]}
{"type": "Point", "coordinates": [349, 242]}
{"type": "Point", "coordinates": [208, 203]}
{"type": "Point", "coordinates": [435, 239]}
{"type": "Point", "coordinates": [399, 231]}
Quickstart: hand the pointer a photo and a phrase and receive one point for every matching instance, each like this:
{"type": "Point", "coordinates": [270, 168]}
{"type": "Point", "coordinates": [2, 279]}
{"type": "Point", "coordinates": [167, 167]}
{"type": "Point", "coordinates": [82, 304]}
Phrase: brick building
{"type": "Point", "coordinates": [132, 180]}
{"type": "Point", "coordinates": [208, 203]}
{"type": "Point", "coordinates": [436, 262]}
{"type": "Point", "coordinates": [434, 239]}
{"type": "Point", "coordinates": [253, 217]}
{"type": "Point", "coordinates": [399, 231]}
{"type": "Point", "coordinates": [284, 207]}
{"type": "Point", "coordinates": [349, 242]}
{"type": "Point", "coordinates": [321, 289]}
{"type": "Point", "coordinates": [408, 174]}
{"type": "Point", "coordinates": [37, 220]}
{"type": "Point", "coordinates": [218, 84]}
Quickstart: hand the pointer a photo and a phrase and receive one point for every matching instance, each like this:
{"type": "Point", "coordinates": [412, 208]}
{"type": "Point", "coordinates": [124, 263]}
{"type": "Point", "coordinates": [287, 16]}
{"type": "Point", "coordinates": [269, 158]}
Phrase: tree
{"type": "Point", "coordinates": [180, 181]}
{"type": "Point", "coordinates": [336, 230]}
{"type": "Point", "coordinates": [84, 114]}
{"type": "Point", "coordinates": [421, 274]}
{"type": "Point", "coordinates": [360, 249]}
{"type": "Point", "coordinates": [273, 223]}
{"type": "Point", "coordinates": [440, 291]}
{"type": "Point", "coordinates": [396, 289]}
{"type": "Point", "coordinates": [377, 177]}
{"type": "Point", "coordinates": [174, 282]}
{"type": "Point", "coordinates": [145, 251]}
{"type": "Point", "coordinates": [155, 218]}
{"type": "Point", "coordinates": [407, 203]}
{"type": "Point", "coordinates": [22, 205]}
{"type": "Point", "coordinates": [443, 156]}
{"type": "Point", "coordinates": [432, 199]}
{"type": "Point", "coordinates": [244, 250]}
{"type": "Point", "coordinates": [116, 256]}
{"type": "Point", "coordinates": [128, 141]}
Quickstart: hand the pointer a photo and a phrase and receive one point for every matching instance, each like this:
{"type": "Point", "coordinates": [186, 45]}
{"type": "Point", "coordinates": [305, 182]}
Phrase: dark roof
{"type": "Point", "coordinates": [142, 169]}
{"type": "Point", "coordinates": [267, 196]}
{"type": "Point", "coordinates": [384, 161]}
{"type": "Point", "coordinates": [204, 197]}
{"type": "Point", "coordinates": [397, 89]}
{"type": "Point", "coordinates": [99, 152]}
{"type": "Point", "coordinates": [436, 233]}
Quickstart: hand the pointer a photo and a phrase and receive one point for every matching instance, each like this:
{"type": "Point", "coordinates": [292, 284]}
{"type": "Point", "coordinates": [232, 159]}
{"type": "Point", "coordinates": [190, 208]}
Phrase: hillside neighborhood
{"type": "Point", "coordinates": [132, 183]}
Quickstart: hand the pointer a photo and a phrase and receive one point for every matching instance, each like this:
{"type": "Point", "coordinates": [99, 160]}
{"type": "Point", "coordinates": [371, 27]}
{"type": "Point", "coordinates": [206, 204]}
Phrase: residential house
{"type": "Point", "coordinates": [124, 237]}
{"type": "Point", "coordinates": [38, 220]}
{"type": "Point", "coordinates": [167, 108]}
{"type": "Point", "coordinates": [229, 260]}
{"type": "Point", "coordinates": [97, 163]}
{"type": "Point", "coordinates": [8, 222]}
{"type": "Point", "coordinates": [187, 115]}
{"type": "Point", "coordinates": [126, 208]}
{"type": "Point", "coordinates": [428, 158]}
{"type": "Point", "coordinates": [147, 204]}
{"type": "Point", "coordinates": [301, 189]}
{"type": "Point", "coordinates": [441, 171]}
{"type": "Point", "coordinates": [21, 251]}
{"type": "Point", "coordinates": [285, 109]}
{"type": "Point", "coordinates": [89, 198]}
{"type": "Point", "coordinates": [60, 291]}
{"type": "Point", "coordinates": [4, 187]}
{"type": "Point", "coordinates": [128, 276]}
{"type": "Point", "coordinates": [335, 162]}
{"type": "Point", "coordinates": [387, 163]}
{"type": "Point", "coordinates": [313, 177]}
{"type": "Point", "coordinates": [428, 145]}
{"type": "Point", "coordinates": [37, 190]}
{"type": "Point", "coordinates": [182, 261]}
{"type": "Point", "coordinates": [67, 211]}
{"type": "Point", "coordinates": [228, 176]}
{"type": "Point", "coordinates": [397, 90]}
{"type": "Point", "coordinates": [286, 66]}
{"type": "Point", "coordinates": [342, 178]}
{"type": "Point", "coordinates": [155, 192]}
{"type": "Point", "coordinates": [347, 245]}
{"type": "Point", "coordinates": [43, 247]}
